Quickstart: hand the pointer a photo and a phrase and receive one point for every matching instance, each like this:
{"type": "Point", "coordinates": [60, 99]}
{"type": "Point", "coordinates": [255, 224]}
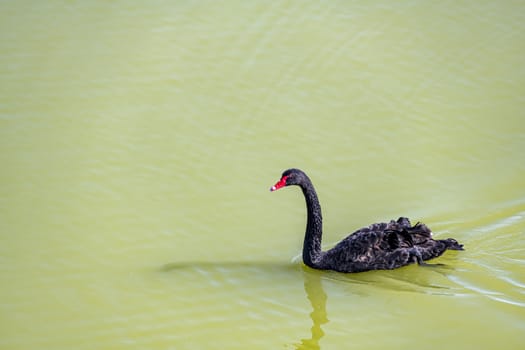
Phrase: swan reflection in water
{"type": "Point", "coordinates": [317, 297]}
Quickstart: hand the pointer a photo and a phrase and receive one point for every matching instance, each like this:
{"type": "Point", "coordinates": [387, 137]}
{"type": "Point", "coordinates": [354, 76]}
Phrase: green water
{"type": "Point", "coordinates": [138, 142]}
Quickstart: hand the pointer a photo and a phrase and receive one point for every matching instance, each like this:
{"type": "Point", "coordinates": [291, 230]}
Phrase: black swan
{"type": "Point", "coordinates": [381, 246]}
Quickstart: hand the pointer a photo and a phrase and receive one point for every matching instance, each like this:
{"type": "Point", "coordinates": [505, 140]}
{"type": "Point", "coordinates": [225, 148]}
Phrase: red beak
{"type": "Point", "coordinates": [280, 184]}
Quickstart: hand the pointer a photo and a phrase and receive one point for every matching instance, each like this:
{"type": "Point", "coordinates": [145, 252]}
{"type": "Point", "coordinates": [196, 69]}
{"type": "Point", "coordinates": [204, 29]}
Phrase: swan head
{"type": "Point", "coordinates": [288, 178]}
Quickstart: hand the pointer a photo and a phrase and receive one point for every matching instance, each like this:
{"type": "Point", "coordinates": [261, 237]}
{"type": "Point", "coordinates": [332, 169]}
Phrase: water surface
{"type": "Point", "coordinates": [138, 143]}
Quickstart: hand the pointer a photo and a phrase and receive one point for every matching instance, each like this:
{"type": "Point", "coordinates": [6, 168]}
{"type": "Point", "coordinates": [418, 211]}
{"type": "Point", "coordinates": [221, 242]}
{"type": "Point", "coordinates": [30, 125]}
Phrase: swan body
{"type": "Point", "coordinates": [380, 246]}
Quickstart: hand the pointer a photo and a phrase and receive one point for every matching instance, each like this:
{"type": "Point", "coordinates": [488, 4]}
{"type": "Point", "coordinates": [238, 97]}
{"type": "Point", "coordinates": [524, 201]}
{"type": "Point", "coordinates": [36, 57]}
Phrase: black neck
{"type": "Point", "coordinates": [314, 227]}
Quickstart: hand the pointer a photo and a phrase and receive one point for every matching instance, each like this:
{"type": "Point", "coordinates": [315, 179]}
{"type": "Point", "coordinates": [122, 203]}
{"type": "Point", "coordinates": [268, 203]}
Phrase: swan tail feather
{"type": "Point", "coordinates": [452, 244]}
